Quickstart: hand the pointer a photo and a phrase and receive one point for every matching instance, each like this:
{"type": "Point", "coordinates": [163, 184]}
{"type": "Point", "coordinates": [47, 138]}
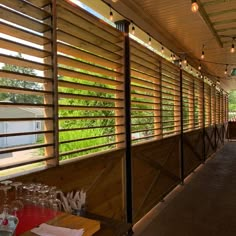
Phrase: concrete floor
{"type": "Point", "coordinates": [205, 205]}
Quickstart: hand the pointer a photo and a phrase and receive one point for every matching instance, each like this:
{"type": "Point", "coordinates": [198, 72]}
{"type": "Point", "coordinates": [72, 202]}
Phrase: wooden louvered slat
{"type": "Point", "coordinates": [24, 77]}
{"type": "Point", "coordinates": [86, 97]}
{"type": "Point", "coordinates": [144, 76]}
{"type": "Point", "coordinates": [26, 8]}
{"type": "Point", "coordinates": [7, 89]}
{"type": "Point", "coordinates": [23, 21]}
{"type": "Point", "coordinates": [40, 3]}
{"type": "Point", "coordinates": [21, 48]}
{"type": "Point", "coordinates": [88, 77]}
{"type": "Point", "coordinates": [88, 36]}
{"type": "Point", "coordinates": [87, 21]}
{"type": "Point", "coordinates": [23, 34]}
{"type": "Point", "coordinates": [77, 53]}
{"type": "Point", "coordinates": [142, 68]}
{"type": "Point", "coordinates": [23, 62]}
{"type": "Point", "coordinates": [68, 84]}
{"type": "Point", "coordinates": [70, 39]}
{"type": "Point", "coordinates": [85, 66]}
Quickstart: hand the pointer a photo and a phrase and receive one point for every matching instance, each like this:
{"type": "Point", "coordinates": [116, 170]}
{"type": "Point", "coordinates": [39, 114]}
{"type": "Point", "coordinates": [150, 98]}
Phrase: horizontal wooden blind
{"type": "Point", "coordinates": [90, 80]}
{"type": "Point", "coordinates": [213, 105]}
{"type": "Point", "coordinates": [26, 108]}
{"type": "Point", "coordinates": [170, 96]}
{"type": "Point", "coordinates": [188, 101]}
{"type": "Point", "coordinates": [217, 107]}
{"type": "Point", "coordinates": [145, 94]}
{"type": "Point", "coordinates": [198, 103]}
{"type": "Point", "coordinates": [207, 100]}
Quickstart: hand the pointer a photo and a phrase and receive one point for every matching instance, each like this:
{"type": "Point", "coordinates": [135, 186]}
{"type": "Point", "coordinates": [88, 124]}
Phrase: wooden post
{"type": "Point", "coordinates": [53, 86]}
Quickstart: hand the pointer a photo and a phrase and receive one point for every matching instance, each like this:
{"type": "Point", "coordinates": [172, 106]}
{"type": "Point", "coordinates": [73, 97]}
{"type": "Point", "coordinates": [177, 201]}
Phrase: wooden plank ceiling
{"type": "Point", "coordinates": [174, 25]}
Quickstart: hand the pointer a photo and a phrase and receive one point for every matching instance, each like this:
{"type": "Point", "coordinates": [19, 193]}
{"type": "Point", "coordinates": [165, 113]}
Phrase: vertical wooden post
{"type": "Point", "coordinates": [123, 26]}
{"type": "Point", "coordinates": [48, 99]}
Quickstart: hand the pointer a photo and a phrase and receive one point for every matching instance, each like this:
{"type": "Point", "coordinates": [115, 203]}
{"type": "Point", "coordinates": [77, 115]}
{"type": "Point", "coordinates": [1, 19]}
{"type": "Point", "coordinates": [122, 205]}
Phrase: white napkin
{"type": "Point", "coordinates": [49, 230]}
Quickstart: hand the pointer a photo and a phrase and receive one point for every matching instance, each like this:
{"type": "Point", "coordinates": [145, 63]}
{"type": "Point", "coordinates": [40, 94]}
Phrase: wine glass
{"type": "Point", "coordinates": [17, 204]}
{"type": "Point", "coordinates": [54, 202]}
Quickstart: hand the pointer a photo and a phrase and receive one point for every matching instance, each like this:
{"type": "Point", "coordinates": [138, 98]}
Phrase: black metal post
{"type": "Point", "coordinates": [204, 121]}
{"type": "Point", "coordinates": [182, 128]}
{"type": "Point", "coordinates": [215, 118]}
{"type": "Point", "coordinates": [124, 27]}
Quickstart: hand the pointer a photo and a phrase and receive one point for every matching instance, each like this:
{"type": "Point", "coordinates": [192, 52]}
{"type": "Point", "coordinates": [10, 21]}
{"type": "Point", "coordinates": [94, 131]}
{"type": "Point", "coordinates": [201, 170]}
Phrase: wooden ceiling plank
{"type": "Point", "coordinates": [208, 22]}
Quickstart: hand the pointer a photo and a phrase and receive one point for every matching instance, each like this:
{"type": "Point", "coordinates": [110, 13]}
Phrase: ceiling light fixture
{"type": "Point", "coordinates": [194, 6]}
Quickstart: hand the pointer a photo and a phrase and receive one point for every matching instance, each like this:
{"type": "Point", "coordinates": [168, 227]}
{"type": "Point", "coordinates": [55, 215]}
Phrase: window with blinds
{"type": "Point", "coordinates": [90, 83]}
{"type": "Point", "coordinates": [170, 97]}
{"type": "Point", "coordinates": [26, 84]}
{"type": "Point", "coordinates": [145, 94]}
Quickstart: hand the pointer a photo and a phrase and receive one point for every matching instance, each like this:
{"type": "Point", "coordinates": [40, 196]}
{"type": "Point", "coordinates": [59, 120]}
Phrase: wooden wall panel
{"type": "Point", "coordinates": [100, 176]}
{"type": "Point", "coordinates": [193, 150]}
{"type": "Point", "coordinates": [210, 141]}
{"type": "Point", "coordinates": [220, 135]}
{"type": "Point", "coordinates": [155, 172]}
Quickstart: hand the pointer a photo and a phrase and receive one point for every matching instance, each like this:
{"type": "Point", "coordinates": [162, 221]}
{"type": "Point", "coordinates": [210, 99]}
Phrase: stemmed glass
{"type": "Point", "coordinates": [54, 202]}
{"type": "Point", "coordinates": [17, 203]}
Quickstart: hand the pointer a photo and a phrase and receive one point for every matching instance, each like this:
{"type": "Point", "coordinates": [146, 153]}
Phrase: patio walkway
{"type": "Point", "coordinates": [205, 205]}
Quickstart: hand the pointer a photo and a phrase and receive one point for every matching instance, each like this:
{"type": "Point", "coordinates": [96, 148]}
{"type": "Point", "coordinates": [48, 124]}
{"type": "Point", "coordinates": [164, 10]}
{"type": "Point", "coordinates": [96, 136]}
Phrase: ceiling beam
{"type": "Point", "coordinates": [208, 22]}
{"type": "Point", "coordinates": [215, 2]}
{"type": "Point", "coordinates": [221, 12]}
{"type": "Point", "coordinates": [225, 29]}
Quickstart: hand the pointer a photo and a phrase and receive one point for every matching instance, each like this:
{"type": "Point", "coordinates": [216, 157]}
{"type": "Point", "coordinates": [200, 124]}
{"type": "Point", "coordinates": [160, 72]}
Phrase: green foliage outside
{"type": "Point", "coordinates": [14, 83]}
{"type": "Point", "coordinates": [232, 101]}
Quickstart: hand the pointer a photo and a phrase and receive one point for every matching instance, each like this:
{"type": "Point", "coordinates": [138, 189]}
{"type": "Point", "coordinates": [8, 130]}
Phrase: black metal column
{"type": "Point", "coordinates": [124, 27]}
{"type": "Point", "coordinates": [182, 128]}
{"type": "Point", "coordinates": [204, 121]}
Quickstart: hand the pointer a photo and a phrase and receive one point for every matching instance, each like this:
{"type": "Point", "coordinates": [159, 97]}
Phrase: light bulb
{"type": "Point", "coordinates": [162, 49]}
{"type": "Point", "coordinates": [199, 67]}
{"type": "Point", "coordinates": [133, 30]}
{"type": "Point", "coordinates": [150, 41]}
{"type": "Point", "coordinates": [225, 71]}
{"type": "Point", "coordinates": [185, 61]}
{"type": "Point", "coordinates": [194, 6]}
{"type": "Point", "coordinates": [232, 50]}
{"type": "Point", "coordinates": [203, 55]}
{"type": "Point", "coordinates": [111, 16]}
{"type": "Point", "coordinates": [114, 0]}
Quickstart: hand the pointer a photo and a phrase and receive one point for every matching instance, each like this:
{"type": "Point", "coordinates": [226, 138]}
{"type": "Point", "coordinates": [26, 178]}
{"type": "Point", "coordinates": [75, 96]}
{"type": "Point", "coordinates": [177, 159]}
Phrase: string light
{"type": "Point", "coordinates": [194, 6]}
{"type": "Point", "coordinates": [203, 53]}
{"type": "Point", "coordinates": [133, 29]}
{"type": "Point", "coordinates": [200, 67]}
{"type": "Point", "coordinates": [232, 50]}
{"type": "Point", "coordinates": [185, 61]}
{"type": "Point", "coordinates": [180, 63]}
{"type": "Point", "coordinates": [162, 49]}
{"type": "Point", "coordinates": [111, 15]}
{"type": "Point", "coordinates": [174, 57]}
{"type": "Point", "coordinates": [149, 40]}
{"type": "Point", "coordinates": [226, 69]}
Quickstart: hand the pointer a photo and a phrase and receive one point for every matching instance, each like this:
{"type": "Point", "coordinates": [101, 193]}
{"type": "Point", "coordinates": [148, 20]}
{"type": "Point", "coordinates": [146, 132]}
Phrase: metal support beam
{"type": "Point", "coordinates": [124, 27]}
{"type": "Point", "coordinates": [182, 129]}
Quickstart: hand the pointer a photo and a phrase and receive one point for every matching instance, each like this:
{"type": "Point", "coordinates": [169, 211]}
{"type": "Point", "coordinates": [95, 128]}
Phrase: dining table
{"type": "Point", "coordinates": [32, 216]}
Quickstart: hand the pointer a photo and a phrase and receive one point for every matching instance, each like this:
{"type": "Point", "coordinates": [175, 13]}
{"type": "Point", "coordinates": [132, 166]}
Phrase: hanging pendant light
{"type": "Point", "coordinates": [194, 6]}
